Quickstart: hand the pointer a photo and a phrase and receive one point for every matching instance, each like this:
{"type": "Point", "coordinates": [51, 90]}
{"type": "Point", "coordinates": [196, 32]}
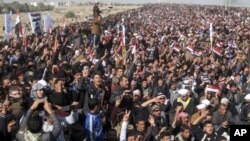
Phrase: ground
{"type": "Point", "coordinates": [83, 12]}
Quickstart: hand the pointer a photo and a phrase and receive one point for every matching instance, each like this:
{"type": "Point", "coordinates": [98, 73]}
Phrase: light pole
{"type": "Point", "coordinates": [226, 3]}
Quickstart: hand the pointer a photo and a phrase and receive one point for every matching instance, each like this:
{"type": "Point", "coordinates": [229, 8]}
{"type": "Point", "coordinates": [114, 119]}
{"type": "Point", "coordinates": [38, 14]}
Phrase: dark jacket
{"type": "Point", "coordinates": [118, 92]}
{"type": "Point", "coordinates": [150, 133]}
{"type": "Point", "coordinates": [92, 93]}
{"type": "Point", "coordinates": [201, 135]}
{"type": "Point", "coordinates": [3, 129]}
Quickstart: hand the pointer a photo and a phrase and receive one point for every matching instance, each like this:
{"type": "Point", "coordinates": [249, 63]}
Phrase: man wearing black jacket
{"type": "Point", "coordinates": [208, 133]}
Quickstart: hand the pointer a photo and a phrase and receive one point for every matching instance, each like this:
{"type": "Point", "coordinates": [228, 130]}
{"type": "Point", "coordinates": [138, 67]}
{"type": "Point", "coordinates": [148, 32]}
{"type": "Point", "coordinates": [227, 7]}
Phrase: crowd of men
{"type": "Point", "coordinates": [169, 80]}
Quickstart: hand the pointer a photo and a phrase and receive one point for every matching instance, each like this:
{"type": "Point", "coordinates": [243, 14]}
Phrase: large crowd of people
{"type": "Point", "coordinates": [169, 80]}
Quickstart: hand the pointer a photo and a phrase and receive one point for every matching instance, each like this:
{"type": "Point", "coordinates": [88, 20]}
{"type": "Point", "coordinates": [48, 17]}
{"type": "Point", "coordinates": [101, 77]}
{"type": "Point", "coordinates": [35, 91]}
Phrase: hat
{"type": "Point", "coordinates": [77, 52]}
{"type": "Point", "coordinates": [247, 97]}
{"type": "Point", "coordinates": [154, 107]}
{"type": "Point", "coordinates": [206, 102]}
{"type": "Point", "coordinates": [224, 100]}
{"type": "Point", "coordinates": [183, 92]}
{"type": "Point", "coordinates": [201, 106]}
{"type": "Point", "coordinates": [160, 94]}
{"type": "Point", "coordinates": [37, 86]}
{"type": "Point", "coordinates": [43, 82]}
{"type": "Point", "coordinates": [137, 92]}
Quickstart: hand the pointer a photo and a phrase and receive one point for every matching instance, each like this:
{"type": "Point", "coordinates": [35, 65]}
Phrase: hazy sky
{"type": "Point", "coordinates": [209, 2]}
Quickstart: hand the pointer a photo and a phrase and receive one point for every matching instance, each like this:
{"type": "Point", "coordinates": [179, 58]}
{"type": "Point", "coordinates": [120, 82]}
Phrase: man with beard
{"type": "Point", "coordinates": [158, 115]}
{"type": "Point", "coordinates": [121, 90]}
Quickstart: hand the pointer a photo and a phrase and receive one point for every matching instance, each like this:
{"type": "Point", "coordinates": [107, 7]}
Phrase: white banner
{"type": "Point", "coordinates": [211, 32]}
{"type": "Point", "coordinates": [8, 25]}
{"type": "Point", "coordinates": [48, 24]}
{"type": "Point", "coordinates": [123, 33]}
{"type": "Point", "coordinates": [36, 22]}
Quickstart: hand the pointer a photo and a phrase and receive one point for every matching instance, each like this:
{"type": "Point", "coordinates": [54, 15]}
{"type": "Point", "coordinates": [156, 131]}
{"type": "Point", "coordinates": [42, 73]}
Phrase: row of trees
{"type": "Point", "coordinates": [15, 6]}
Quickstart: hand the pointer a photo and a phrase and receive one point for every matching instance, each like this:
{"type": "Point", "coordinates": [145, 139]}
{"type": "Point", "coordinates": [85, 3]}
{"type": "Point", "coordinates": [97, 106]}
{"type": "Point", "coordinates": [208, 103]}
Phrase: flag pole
{"type": "Point", "coordinates": [211, 37]}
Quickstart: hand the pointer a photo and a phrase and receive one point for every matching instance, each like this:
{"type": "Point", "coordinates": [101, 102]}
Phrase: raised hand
{"type": "Point", "coordinates": [151, 120]}
{"type": "Point", "coordinates": [36, 103]}
{"type": "Point", "coordinates": [126, 116]}
{"type": "Point", "coordinates": [118, 101]}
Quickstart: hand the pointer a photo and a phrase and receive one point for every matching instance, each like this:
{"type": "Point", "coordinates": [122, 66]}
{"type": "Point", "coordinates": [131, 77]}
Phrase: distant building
{"type": "Point", "coordinates": [51, 3]}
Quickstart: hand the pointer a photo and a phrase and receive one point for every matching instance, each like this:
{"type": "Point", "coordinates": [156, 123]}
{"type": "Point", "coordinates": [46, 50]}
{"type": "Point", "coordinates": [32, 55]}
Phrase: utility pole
{"type": "Point", "coordinates": [226, 2]}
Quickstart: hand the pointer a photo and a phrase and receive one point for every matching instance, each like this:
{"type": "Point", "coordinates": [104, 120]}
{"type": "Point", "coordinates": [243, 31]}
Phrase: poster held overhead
{"type": "Point", "coordinates": [36, 23]}
{"type": "Point", "coordinates": [8, 25]}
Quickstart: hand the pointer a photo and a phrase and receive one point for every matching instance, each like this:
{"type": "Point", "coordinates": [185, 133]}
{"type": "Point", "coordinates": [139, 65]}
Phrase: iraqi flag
{"type": "Point", "coordinates": [198, 53]}
{"type": "Point", "coordinates": [219, 44]}
{"type": "Point", "coordinates": [18, 26]}
{"type": "Point", "coordinates": [190, 48]}
{"type": "Point", "coordinates": [211, 32]}
{"type": "Point", "coordinates": [218, 51]}
{"type": "Point", "coordinates": [177, 48]}
{"type": "Point", "coordinates": [212, 88]}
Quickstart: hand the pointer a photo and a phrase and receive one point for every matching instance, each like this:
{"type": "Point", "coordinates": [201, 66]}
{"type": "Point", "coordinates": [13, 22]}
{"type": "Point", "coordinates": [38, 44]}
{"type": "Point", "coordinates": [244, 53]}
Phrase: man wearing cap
{"type": "Point", "coordinates": [197, 117]}
{"type": "Point", "coordinates": [158, 115]}
{"type": "Point", "coordinates": [38, 90]}
{"type": "Point", "coordinates": [188, 102]}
